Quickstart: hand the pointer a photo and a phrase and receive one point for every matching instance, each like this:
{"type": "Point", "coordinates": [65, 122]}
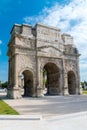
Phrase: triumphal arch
{"type": "Point", "coordinates": [42, 61]}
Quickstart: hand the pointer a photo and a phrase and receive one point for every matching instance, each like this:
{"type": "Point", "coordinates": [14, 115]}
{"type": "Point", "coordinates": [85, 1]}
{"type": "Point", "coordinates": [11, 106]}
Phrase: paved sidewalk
{"type": "Point", "coordinates": [76, 121]}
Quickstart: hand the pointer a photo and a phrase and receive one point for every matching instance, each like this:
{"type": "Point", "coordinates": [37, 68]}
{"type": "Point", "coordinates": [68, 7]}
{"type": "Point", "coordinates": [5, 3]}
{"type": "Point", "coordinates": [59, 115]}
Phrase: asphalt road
{"type": "Point", "coordinates": [49, 105]}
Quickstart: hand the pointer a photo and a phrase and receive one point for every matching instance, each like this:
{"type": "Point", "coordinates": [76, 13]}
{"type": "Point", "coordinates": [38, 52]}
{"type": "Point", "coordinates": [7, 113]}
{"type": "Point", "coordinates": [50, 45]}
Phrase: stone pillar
{"type": "Point", "coordinates": [65, 84]}
{"type": "Point", "coordinates": [9, 73]}
{"type": "Point", "coordinates": [9, 78]}
{"type": "Point", "coordinates": [61, 83]}
{"type": "Point", "coordinates": [78, 78]}
{"type": "Point", "coordinates": [39, 83]}
{"type": "Point", "coordinates": [65, 79]}
{"type": "Point", "coordinates": [15, 72]}
{"type": "Point", "coordinates": [34, 85]}
{"type": "Point", "coordinates": [16, 89]}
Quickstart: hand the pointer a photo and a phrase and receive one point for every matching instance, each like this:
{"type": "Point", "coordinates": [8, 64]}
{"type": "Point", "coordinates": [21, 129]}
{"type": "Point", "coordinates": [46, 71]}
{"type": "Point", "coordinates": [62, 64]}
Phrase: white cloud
{"type": "Point", "coordinates": [0, 52]}
{"type": "Point", "coordinates": [70, 18]}
{"type": "Point", "coordinates": [83, 75]}
{"type": "Point", "coordinates": [0, 42]}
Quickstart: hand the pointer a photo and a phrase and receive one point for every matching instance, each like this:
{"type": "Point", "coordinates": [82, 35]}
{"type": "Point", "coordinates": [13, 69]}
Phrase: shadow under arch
{"type": "Point", "coordinates": [71, 82]}
{"type": "Point", "coordinates": [51, 79]}
{"type": "Point", "coordinates": [27, 82]}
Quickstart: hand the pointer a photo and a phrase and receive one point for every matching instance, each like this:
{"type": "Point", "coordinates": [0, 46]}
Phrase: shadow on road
{"type": "Point", "coordinates": [48, 105]}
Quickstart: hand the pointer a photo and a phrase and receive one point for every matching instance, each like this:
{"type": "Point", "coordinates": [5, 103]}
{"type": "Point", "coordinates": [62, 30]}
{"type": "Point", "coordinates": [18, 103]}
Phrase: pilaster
{"type": "Point", "coordinates": [39, 92]}
{"type": "Point", "coordinates": [65, 79]}
{"type": "Point", "coordinates": [16, 90]}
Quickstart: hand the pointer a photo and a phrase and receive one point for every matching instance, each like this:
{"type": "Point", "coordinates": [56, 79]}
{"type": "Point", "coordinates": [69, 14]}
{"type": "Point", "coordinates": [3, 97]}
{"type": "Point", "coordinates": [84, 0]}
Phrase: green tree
{"type": "Point", "coordinates": [5, 84]}
{"type": "Point", "coordinates": [0, 84]}
{"type": "Point", "coordinates": [82, 83]}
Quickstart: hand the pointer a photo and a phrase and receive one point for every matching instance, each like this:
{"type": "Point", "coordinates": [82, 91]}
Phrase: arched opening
{"type": "Point", "coordinates": [27, 83]}
{"type": "Point", "coordinates": [51, 78]}
{"type": "Point", "coordinates": [71, 83]}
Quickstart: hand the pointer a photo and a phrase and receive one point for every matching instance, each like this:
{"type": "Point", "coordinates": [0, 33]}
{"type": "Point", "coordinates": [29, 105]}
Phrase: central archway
{"type": "Point", "coordinates": [27, 82]}
{"type": "Point", "coordinates": [52, 77]}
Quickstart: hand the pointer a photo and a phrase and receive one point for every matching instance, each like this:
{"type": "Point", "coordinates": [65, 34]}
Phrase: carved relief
{"type": "Point", "coordinates": [48, 34]}
{"type": "Point", "coordinates": [70, 65]}
{"type": "Point", "coordinates": [44, 61]}
{"type": "Point", "coordinates": [25, 61]}
{"type": "Point", "coordinates": [26, 42]}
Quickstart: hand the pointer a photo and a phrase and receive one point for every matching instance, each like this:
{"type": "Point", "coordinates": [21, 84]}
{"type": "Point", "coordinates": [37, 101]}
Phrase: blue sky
{"type": "Point", "coordinates": [68, 15]}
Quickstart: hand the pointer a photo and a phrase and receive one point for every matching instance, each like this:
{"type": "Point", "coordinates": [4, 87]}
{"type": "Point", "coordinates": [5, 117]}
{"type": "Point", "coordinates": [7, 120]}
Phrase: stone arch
{"type": "Point", "coordinates": [71, 82]}
{"type": "Point", "coordinates": [53, 78]}
{"type": "Point", "coordinates": [27, 81]}
{"type": "Point", "coordinates": [25, 68]}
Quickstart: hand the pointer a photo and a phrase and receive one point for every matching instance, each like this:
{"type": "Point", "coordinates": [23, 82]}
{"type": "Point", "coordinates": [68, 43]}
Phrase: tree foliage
{"type": "Point", "coordinates": [84, 84]}
{"type": "Point", "coordinates": [3, 84]}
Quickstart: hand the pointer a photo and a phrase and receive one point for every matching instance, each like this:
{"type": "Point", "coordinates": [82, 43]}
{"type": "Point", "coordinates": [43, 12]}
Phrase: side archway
{"type": "Point", "coordinates": [52, 79]}
{"type": "Point", "coordinates": [71, 82]}
{"type": "Point", "coordinates": [27, 83]}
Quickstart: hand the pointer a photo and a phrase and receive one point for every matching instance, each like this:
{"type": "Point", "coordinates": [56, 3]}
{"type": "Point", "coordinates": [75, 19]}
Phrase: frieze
{"type": "Point", "coordinates": [25, 51]}
{"type": "Point", "coordinates": [25, 61]}
{"type": "Point", "coordinates": [70, 65]}
{"type": "Point", "coordinates": [48, 32]}
{"type": "Point", "coordinates": [44, 61]}
{"type": "Point", "coordinates": [26, 42]}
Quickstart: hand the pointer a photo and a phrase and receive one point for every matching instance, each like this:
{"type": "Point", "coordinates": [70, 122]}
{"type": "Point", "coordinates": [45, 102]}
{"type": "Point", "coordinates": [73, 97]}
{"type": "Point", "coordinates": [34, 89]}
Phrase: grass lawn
{"type": "Point", "coordinates": [84, 91]}
{"type": "Point", "coordinates": [6, 109]}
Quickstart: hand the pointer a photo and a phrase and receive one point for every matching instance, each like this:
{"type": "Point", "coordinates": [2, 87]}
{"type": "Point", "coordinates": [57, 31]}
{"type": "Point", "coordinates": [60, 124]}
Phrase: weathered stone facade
{"type": "Point", "coordinates": [33, 49]}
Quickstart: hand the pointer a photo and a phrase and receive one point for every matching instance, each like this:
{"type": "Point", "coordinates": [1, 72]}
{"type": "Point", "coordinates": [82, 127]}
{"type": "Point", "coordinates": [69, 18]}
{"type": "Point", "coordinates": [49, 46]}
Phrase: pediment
{"type": "Point", "coordinates": [49, 51]}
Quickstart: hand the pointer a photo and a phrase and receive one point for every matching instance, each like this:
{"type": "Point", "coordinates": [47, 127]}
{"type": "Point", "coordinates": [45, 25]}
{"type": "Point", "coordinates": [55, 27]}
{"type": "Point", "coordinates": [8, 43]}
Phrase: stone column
{"type": "Point", "coordinates": [39, 83]}
{"type": "Point", "coordinates": [34, 85]}
{"type": "Point", "coordinates": [78, 87]}
{"type": "Point", "coordinates": [61, 83]}
{"type": "Point", "coordinates": [16, 91]}
{"type": "Point", "coordinates": [65, 79]}
{"type": "Point", "coordinates": [65, 84]}
{"type": "Point", "coordinates": [15, 72]}
{"type": "Point", "coordinates": [9, 75]}
{"type": "Point", "coordinates": [9, 79]}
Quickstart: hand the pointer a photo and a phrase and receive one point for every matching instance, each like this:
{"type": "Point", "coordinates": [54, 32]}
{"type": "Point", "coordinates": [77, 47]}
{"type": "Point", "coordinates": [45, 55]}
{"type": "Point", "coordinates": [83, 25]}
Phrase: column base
{"type": "Point", "coordinates": [39, 92]}
{"type": "Point", "coordinates": [13, 93]}
{"type": "Point", "coordinates": [66, 93]}
{"type": "Point", "coordinates": [79, 90]}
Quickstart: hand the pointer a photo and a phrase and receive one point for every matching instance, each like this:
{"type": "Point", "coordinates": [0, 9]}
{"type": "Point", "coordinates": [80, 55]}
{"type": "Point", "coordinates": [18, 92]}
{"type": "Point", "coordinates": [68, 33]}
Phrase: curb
{"type": "Point", "coordinates": [20, 117]}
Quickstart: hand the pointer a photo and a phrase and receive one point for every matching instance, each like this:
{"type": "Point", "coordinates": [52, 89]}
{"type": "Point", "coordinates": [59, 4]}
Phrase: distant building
{"type": "Point", "coordinates": [32, 49]}
{"type": "Point", "coordinates": [85, 86]}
